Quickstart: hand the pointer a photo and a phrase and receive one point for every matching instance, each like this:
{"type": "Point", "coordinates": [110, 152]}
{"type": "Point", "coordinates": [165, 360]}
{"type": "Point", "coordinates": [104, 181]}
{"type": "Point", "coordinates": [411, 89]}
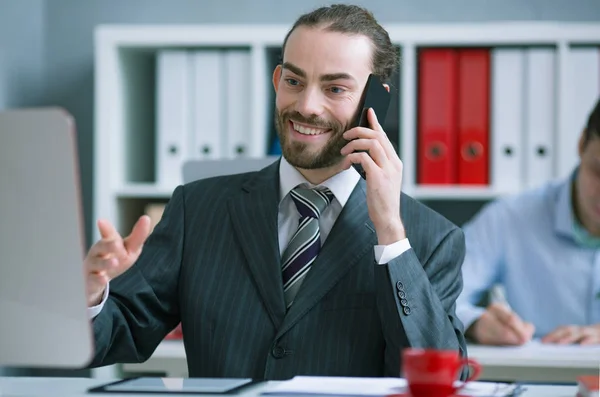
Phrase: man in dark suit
{"type": "Point", "coordinates": [302, 267]}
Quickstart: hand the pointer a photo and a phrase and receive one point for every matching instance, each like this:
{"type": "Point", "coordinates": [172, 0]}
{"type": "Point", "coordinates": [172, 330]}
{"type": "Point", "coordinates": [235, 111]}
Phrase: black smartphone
{"type": "Point", "coordinates": [375, 96]}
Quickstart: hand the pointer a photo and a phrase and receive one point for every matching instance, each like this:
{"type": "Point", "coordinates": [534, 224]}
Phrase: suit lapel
{"type": "Point", "coordinates": [254, 216]}
{"type": "Point", "coordinates": [350, 238]}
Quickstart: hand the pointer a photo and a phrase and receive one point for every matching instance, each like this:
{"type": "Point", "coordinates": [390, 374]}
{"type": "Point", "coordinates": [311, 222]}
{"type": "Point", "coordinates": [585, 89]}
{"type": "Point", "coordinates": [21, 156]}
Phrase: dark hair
{"type": "Point", "coordinates": [343, 18]}
{"type": "Point", "coordinates": [592, 128]}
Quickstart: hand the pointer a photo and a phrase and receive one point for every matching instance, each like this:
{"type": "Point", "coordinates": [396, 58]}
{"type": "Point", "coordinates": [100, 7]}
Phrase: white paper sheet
{"type": "Point", "coordinates": [374, 387]}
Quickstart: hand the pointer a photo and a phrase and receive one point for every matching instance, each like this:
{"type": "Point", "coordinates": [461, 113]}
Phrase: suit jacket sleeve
{"type": "Point", "coordinates": [417, 298]}
{"type": "Point", "coordinates": [142, 307]}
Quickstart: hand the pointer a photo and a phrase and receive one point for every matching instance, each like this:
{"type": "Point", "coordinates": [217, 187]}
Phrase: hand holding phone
{"type": "Point", "coordinates": [375, 96]}
{"type": "Point", "coordinates": [384, 183]}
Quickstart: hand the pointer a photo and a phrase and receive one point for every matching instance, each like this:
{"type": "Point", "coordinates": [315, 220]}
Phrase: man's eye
{"type": "Point", "coordinates": [292, 81]}
{"type": "Point", "coordinates": [336, 90]}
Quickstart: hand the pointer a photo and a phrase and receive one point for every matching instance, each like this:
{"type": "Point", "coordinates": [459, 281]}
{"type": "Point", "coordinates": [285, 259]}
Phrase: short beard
{"type": "Point", "coordinates": [296, 152]}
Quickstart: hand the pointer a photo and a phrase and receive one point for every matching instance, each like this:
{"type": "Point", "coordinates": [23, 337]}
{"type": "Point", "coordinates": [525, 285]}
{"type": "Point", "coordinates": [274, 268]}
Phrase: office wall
{"type": "Point", "coordinates": [21, 65]}
{"type": "Point", "coordinates": [46, 46]}
{"type": "Point", "coordinates": [21, 30]}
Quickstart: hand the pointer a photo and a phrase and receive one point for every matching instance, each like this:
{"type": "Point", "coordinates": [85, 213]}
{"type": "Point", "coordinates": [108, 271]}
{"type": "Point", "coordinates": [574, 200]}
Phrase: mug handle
{"type": "Point", "coordinates": [476, 371]}
{"type": "Point", "coordinates": [475, 366]}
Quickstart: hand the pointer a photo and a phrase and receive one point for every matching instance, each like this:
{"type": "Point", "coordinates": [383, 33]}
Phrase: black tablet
{"type": "Point", "coordinates": [174, 385]}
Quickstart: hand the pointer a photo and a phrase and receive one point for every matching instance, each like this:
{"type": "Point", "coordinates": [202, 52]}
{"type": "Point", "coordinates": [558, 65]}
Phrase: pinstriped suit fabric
{"type": "Point", "coordinates": [213, 263]}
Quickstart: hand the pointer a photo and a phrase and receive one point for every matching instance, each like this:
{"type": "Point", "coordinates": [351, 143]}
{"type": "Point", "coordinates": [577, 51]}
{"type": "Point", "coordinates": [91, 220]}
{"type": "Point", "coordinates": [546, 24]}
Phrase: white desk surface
{"type": "Point", "coordinates": [533, 362]}
{"type": "Point", "coordinates": [536, 362]}
{"type": "Point", "coordinates": [536, 354]}
{"type": "Point", "coordinates": [77, 387]}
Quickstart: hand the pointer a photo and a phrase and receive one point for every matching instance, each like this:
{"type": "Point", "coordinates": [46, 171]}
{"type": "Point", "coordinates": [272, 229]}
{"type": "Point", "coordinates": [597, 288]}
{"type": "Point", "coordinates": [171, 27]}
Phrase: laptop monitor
{"type": "Point", "coordinates": [43, 313]}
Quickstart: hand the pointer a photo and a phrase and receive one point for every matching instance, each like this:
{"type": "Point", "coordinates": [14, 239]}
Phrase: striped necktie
{"type": "Point", "coordinates": [305, 244]}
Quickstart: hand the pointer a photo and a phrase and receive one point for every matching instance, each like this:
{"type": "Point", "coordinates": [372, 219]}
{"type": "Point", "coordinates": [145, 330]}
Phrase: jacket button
{"type": "Point", "coordinates": [401, 294]}
{"type": "Point", "coordinates": [406, 310]}
{"type": "Point", "coordinates": [403, 302]}
{"type": "Point", "coordinates": [278, 352]}
{"type": "Point", "coordinates": [400, 286]}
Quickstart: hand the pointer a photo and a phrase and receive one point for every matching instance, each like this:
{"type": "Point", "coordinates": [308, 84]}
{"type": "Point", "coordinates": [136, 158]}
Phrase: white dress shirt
{"type": "Point", "coordinates": [341, 185]}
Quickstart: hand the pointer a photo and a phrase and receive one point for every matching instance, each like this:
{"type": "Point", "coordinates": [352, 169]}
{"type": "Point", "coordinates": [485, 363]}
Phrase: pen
{"type": "Point", "coordinates": [498, 296]}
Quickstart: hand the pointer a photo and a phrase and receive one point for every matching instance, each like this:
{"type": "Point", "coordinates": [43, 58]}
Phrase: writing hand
{"type": "Point", "coordinates": [498, 325]}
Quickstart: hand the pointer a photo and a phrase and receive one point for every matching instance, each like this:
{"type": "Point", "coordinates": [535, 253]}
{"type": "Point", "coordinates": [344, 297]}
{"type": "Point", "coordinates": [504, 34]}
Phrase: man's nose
{"type": "Point", "coordinates": [310, 103]}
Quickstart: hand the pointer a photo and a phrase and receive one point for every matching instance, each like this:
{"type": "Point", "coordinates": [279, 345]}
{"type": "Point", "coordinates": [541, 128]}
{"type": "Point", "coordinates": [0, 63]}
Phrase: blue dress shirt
{"type": "Point", "coordinates": [532, 245]}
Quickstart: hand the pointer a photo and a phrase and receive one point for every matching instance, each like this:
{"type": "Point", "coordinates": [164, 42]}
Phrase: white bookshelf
{"type": "Point", "coordinates": [125, 135]}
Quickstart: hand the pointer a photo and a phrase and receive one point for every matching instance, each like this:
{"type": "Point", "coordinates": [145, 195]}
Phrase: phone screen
{"type": "Point", "coordinates": [375, 96]}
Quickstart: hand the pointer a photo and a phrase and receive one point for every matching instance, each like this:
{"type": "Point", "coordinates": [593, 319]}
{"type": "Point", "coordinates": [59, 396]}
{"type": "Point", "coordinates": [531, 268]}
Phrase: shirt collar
{"type": "Point", "coordinates": [341, 184]}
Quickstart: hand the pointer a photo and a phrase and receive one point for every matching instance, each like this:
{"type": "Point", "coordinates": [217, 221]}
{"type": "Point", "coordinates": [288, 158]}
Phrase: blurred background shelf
{"type": "Point", "coordinates": [441, 192]}
{"type": "Point", "coordinates": [479, 110]}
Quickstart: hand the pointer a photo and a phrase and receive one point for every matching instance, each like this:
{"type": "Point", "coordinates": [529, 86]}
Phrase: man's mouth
{"type": "Point", "coordinates": [309, 130]}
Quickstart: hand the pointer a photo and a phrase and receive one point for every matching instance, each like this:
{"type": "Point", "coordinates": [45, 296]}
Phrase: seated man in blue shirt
{"type": "Point", "coordinates": [543, 248]}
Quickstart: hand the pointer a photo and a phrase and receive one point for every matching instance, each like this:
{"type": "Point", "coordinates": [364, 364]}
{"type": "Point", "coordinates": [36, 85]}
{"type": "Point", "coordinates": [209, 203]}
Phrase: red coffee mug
{"type": "Point", "coordinates": [433, 373]}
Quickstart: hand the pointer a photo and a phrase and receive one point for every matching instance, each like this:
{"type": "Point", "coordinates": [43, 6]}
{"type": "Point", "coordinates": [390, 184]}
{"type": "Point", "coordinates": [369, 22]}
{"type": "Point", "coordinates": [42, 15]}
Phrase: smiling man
{"type": "Point", "coordinates": [302, 267]}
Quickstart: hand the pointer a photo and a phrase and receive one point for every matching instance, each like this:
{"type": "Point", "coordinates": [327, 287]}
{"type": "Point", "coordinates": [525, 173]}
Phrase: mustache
{"type": "Point", "coordinates": [313, 120]}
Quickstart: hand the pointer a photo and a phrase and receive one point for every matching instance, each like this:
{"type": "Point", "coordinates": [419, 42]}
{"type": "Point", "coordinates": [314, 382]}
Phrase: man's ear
{"type": "Point", "coordinates": [387, 87]}
{"type": "Point", "coordinates": [276, 77]}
